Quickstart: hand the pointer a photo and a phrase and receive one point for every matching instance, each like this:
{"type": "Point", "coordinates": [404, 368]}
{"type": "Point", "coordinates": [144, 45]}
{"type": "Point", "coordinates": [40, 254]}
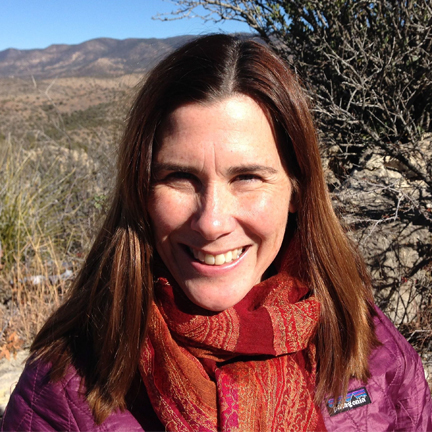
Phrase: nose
{"type": "Point", "coordinates": [214, 216]}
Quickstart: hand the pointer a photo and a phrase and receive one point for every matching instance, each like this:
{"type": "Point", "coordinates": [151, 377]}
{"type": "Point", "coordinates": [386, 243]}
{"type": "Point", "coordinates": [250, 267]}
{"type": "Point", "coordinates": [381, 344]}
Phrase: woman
{"type": "Point", "coordinates": [221, 292]}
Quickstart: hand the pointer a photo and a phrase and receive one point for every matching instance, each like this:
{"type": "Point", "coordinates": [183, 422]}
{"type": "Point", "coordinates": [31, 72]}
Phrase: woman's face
{"type": "Point", "coordinates": [220, 199]}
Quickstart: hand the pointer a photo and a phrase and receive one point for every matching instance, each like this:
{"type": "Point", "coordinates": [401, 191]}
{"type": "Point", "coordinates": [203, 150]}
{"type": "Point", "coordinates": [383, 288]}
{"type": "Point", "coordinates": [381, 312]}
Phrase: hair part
{"type": "Point", "coordinates": [101, 326]}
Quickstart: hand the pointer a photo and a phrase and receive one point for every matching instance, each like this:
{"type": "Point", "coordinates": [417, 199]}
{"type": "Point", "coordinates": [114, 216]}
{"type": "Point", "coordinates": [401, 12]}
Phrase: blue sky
{"type": "Point", "coordinates": [26, 24]}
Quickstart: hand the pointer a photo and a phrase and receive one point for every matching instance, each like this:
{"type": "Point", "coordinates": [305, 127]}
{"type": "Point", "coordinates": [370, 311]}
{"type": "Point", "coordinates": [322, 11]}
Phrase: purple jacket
{"type": "Point", "coordinates": [396, 398]}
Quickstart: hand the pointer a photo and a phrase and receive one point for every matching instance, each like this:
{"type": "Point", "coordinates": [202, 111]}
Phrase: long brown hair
{"type": "Point", "coordinates": [101, 326]}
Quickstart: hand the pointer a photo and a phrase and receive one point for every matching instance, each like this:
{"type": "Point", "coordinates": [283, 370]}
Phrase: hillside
{"type": "Point", "coordinates": [102, 57]}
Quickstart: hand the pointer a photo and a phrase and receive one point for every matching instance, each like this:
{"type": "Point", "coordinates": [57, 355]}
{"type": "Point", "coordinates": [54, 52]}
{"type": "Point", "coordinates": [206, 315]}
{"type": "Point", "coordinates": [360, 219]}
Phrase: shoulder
{"type": "Point", "coordinates": [397, 369]}
{"type": "Point", "coordinates": [397, 362]}
{"type": "Point", "coordinates": [396, 397]}
{"type": "Point", "coordinates": [40, 404]}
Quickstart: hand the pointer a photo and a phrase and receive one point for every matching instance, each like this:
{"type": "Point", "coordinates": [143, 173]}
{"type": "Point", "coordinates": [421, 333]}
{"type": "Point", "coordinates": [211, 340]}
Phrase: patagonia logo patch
{"type": "Point", "coordinates": [354, 399]}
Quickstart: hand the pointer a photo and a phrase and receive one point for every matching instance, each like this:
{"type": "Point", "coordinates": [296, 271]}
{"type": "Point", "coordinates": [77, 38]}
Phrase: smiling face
{"type": "Point", "coordinates": [220, 199]}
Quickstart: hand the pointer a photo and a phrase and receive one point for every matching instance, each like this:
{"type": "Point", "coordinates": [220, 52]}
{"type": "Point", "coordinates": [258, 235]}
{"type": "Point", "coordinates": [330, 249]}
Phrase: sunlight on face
{"type": "Point", "coordinates": [220, 199]}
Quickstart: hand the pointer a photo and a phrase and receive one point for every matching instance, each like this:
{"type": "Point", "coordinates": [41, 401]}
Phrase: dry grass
{"type": "Point", "coordinates": [47, 208]}
{"type": "Point", "coordinates": [56, 165]}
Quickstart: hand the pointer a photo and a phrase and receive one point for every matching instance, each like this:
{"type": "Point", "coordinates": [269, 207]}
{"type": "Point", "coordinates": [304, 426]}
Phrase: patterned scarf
{"type": "Point", "coordinates": [251, 367]}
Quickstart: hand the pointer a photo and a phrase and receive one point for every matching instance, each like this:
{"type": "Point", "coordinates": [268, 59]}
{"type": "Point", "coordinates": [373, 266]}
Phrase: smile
{"type": "Point", "coordinates": [217, 260]}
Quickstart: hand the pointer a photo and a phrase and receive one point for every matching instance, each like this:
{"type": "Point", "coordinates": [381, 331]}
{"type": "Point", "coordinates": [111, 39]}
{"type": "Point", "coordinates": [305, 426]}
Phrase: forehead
{"type": "Point", "coordinates": [236, 125]}
{"type": "Point", "coordinates": [235, 109]}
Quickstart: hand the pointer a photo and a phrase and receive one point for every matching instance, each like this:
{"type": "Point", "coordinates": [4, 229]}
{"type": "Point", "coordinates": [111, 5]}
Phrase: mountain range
{"type": "Point", "coordinates": [101, 57]}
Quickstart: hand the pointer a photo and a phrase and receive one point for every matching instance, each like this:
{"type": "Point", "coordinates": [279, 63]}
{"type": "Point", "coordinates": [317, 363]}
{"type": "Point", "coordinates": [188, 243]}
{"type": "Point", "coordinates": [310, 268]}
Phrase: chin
{"type": "Point", "coordinates": [214, 305]}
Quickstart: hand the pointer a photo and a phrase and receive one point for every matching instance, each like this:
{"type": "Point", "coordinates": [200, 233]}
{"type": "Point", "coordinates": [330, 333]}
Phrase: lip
{"type": "Point", "coordinates": [210, 270]}
{"type": "Point", "coordinates": [187, 248]}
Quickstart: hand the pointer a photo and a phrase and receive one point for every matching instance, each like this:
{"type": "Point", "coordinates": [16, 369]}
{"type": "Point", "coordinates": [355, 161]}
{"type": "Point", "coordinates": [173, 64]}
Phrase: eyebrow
{"type": "Point", "coordinates": [235, 170]}
{"type": "Point", "coordinates": [157, 167]}
{"type": "Point", "coordinates": [245, 169]}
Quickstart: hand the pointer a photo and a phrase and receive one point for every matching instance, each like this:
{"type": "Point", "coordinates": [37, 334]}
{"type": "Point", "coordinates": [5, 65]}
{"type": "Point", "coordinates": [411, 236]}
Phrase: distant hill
{"type": "Point", "coordinates": [97, 57]}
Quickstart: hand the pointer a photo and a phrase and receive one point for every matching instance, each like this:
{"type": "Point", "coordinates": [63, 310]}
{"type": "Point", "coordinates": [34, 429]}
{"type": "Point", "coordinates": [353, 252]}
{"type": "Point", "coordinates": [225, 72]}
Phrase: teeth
{"type": "Point", "coordinates": [228, 257]}
{"type": "Point", "coordinates": [217, 259]}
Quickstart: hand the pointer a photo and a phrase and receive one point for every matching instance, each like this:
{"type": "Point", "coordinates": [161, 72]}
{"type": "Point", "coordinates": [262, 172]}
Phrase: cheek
{"type": "Point", "coordinates": [167, 212]}
{"type": "Point", "coordinates": [268, 217]}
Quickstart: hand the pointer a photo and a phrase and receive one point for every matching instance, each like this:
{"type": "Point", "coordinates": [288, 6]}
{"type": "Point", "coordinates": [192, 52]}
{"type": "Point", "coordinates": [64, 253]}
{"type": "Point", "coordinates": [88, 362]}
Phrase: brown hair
{"type": "Point", "coordinates": [101, 326]}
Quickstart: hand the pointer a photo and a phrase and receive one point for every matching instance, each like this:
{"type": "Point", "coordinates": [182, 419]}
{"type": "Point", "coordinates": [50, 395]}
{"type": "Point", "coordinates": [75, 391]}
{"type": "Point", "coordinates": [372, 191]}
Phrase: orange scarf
{"type": "Point", "coordinates": [251, 367]}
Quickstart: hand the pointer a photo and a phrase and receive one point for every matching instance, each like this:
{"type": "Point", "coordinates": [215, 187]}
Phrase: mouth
{"type": "Point", "coordinates": [219, 259]}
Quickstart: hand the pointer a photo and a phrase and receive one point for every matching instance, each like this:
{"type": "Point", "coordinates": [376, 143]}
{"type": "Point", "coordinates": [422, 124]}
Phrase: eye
{"type": "Point", "coordinates": [181, 175]}
{"type": "Point", "coordinates": [248, 177]}
{"type": "Point", "coordinates": [180, 180]}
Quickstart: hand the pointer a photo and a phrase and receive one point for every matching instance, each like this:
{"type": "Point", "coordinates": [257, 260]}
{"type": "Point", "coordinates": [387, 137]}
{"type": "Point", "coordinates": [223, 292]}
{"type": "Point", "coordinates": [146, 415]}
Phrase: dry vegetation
{"type": "Point", "coordinates": [56, 162]}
